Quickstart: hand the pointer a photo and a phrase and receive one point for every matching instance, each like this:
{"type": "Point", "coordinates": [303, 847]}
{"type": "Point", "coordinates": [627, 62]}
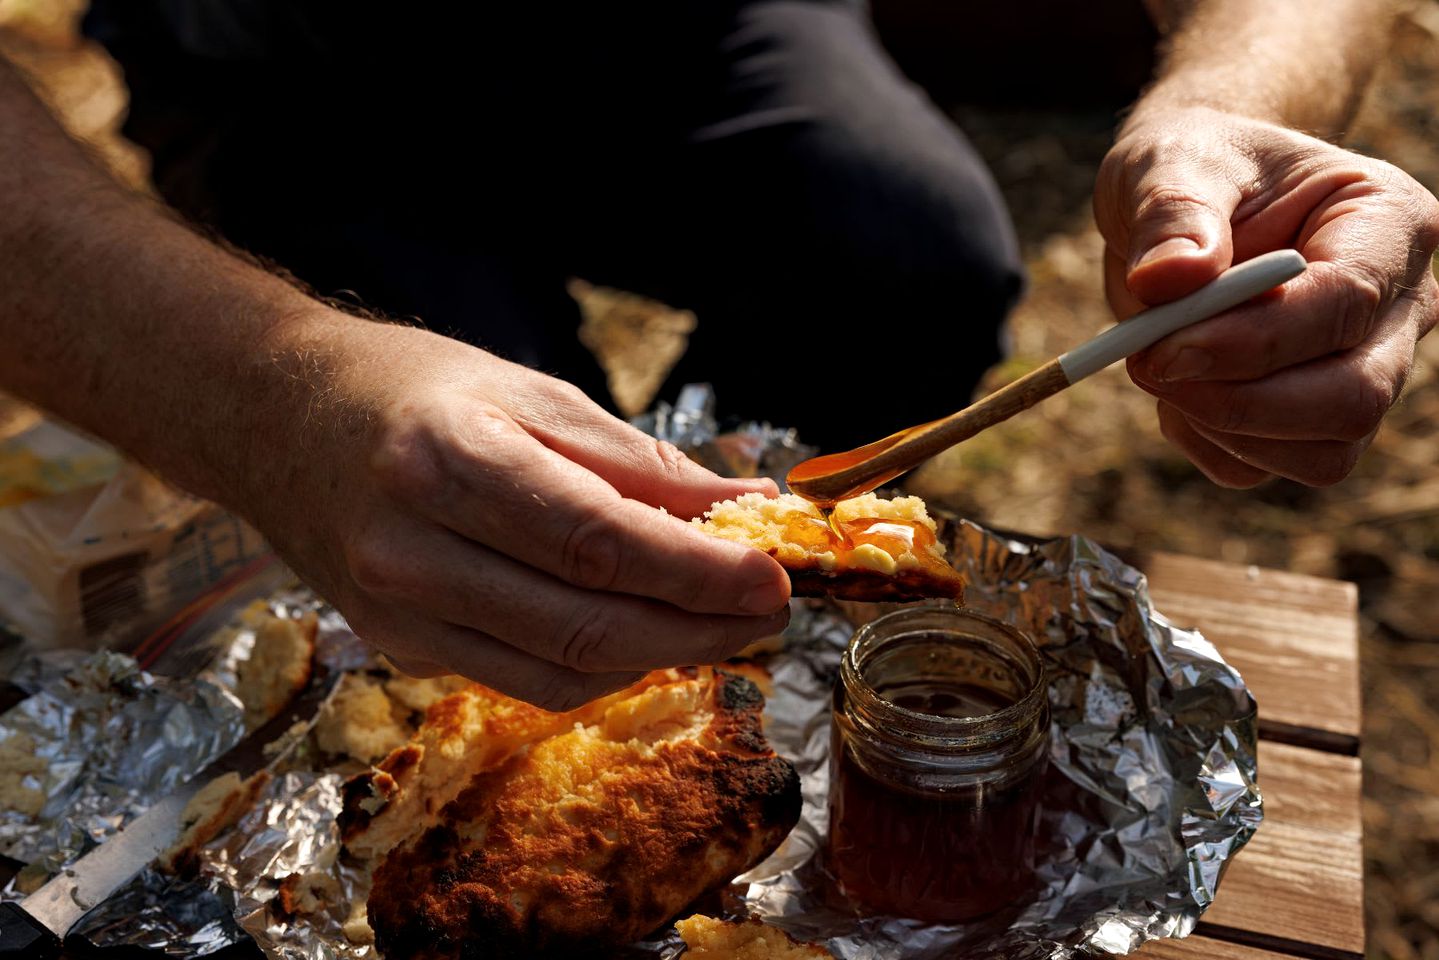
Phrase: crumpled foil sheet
{"type": "Point", "coordinates": [114, 738]}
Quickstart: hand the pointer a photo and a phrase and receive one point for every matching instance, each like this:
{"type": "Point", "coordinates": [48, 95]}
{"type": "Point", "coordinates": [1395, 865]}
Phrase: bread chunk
{"type": "Point", "coordinates": [215, 808]}
{"type": "Point", "coordinates": [279, 664]}
{"type": "Point", "coordinates": [592, 838]}
{"type": "Point", "coordinates": [464, 734]}
{"type": "Point", "coordinates": [359, 721]}
{"type": "Point", "coordinates": [888, 551]}
{"type": "Point", "coordinates": [19, 770]}
{"type": "Point", "coordinates": [709, 939]}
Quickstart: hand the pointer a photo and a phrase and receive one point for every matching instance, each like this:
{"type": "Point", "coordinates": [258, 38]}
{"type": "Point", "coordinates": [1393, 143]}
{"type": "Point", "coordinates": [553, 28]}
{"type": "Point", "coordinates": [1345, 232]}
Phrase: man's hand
{"type": "Point", "coordinates": [1295, 383]}
{"type": "Point", "coordinates": [467, 514]}
{"type": "Point", "coordinates": [464, 513]}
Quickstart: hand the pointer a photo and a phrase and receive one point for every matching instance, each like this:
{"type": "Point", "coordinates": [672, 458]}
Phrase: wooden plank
{"type": "Point", "coordinates": [1293, 637]}
{"type": "Point", "coordinates": [1195, 947]}
{"type": "Point", "coordinates": [1302, 876]}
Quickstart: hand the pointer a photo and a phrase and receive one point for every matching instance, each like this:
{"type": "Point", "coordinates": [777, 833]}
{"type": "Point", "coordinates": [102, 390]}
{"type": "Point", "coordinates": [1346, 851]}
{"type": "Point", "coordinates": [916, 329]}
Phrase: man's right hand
{"type": "Point", "coordinates": [470, 515]}
{"type": "Point", "coordinates": [462, 512]}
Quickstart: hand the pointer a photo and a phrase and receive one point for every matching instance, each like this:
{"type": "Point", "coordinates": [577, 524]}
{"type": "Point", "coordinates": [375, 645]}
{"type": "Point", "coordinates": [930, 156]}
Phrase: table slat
{"type": "Point", "coordinates": [1196, 947]}
{"type": "Point", "coordinates": [1293, 637]}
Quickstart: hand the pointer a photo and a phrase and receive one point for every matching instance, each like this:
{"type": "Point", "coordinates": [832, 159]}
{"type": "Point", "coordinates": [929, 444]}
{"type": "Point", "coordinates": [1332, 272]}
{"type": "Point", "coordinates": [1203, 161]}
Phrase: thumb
{"type": "Point", "coordinates": [1179, 229]}
{"type": "Point", "coordinates": [1179, 235]}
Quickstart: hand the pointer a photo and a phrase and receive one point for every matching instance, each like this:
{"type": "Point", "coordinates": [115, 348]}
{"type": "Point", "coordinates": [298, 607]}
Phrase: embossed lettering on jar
{"type": "Point", "coordinates": [938, 749]}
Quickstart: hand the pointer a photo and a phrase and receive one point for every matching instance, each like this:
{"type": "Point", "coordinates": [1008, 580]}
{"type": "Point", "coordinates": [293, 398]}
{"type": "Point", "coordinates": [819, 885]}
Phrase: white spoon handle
{"type": "Point", "coordinates": [1229, 289]}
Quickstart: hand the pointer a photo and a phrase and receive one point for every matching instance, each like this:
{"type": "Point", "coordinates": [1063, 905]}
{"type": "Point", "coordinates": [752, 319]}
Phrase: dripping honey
{"type": "Point", "coordinates": [937, 756]}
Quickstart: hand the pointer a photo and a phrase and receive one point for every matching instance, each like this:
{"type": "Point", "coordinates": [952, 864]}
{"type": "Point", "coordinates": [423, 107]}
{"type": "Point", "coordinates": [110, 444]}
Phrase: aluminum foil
{"type": "Point", "coordinates": [1151, 787]}
{"type": "Point", "coordinates": [113, 738]}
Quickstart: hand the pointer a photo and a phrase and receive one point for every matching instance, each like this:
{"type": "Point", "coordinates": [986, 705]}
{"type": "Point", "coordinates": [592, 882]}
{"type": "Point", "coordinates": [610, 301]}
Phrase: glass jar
{"type": "Point", "coordinates": [938, 748]}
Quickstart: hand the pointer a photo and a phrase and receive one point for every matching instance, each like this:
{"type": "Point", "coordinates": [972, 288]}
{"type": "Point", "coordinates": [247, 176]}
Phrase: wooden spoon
{"type": "Point", "coordinates": [839, 476]}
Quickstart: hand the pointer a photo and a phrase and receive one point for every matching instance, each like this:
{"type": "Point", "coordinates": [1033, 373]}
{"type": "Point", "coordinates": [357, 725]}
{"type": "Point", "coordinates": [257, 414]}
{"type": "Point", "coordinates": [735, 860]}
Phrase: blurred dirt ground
{"type": "Point", "coordinates": [1092, 459]}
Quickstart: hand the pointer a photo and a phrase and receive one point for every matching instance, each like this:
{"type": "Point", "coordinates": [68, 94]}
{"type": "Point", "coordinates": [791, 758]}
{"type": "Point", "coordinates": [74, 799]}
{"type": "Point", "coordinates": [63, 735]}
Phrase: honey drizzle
{"type": "Point", "coordinates": [826, 510]}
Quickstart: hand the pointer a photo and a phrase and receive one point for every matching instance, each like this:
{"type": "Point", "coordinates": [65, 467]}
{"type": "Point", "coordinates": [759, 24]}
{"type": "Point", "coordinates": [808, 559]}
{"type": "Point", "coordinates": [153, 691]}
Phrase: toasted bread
{"type": "Point", "coordinates": [463, 735]}
{"type": "Point", "coordinates": [888, 550]}
{"type": "Point", "coordinates": [593, 837]}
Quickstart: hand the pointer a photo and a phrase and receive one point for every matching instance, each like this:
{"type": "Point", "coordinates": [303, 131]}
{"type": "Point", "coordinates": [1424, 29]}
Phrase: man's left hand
{"type": "Point", "coordinates": [1293, 383]}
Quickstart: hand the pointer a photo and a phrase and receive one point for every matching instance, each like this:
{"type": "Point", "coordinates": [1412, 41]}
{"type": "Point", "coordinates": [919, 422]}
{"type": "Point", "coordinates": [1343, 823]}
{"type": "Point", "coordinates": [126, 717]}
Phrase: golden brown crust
{"type": "Point", "coordinates": [463, 734]}
{"type": "Point", "coordinates": [592, 838]}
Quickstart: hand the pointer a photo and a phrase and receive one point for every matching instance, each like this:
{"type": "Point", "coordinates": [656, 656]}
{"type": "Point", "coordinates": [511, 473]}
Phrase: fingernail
{"type": "Point", "coordinates": [769, 597]}
{"type": "Point", "coordinates": [1188, 364]}
{"type": "Point", "coordinates": [1173, 247]}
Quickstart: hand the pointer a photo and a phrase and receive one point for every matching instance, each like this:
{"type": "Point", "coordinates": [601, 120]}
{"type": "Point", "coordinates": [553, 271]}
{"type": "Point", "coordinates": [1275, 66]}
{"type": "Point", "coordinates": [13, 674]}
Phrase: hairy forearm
{"type": "Point", "coordinates": [120, 319]}
{"type": "Point", "coordinates": [1299, 63]}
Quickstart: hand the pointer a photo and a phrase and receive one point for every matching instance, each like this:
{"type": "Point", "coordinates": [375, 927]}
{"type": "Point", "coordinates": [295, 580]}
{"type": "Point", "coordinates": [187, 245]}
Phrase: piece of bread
{"type": "Point", "coordinates": [279, 664]}
{"type": "Point", "coordinates": [462, 736]}
{"type": "Point", "coordinates": [709, 939]}
{"type": "Point", "coordinates": [419, 694]}
{"type": "Point", "coordinates": [889, 551]}
{"type": "Point", "coordinates": [593, 837]}
{"type": "Point", "coordinates": [359, 721]}
{"type": "Point", "coordinates": [21, 775]}
{"type": "Point", "coordinates": [217, 806]}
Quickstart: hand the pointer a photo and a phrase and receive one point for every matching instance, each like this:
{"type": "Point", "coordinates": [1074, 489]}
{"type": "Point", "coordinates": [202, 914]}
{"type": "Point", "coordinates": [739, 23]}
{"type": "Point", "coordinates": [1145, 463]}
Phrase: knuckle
{"type": "Point", "coordinates": [691, 591]}
{"type": "Point", "coordinates": [375, 568]}
{"type": "Point", "coordinates": [717, 644]}
{"type": "Point", "coordinates": [1363, 295]}
{"type": "Point", "coordinates": [1373, 396]}
{"type": "Point", "coordinates": [557, 693]}
{"type": "Point", "coordinates": [1331, 465]}
{"type": "Point", "coordinates": [1233, 411]}
{"type": "Point", "coordinates": [588, 640]}
{"type": "Point", "coordinates": [406, 464]}
{"type": "Point", "coordinates": [1168, 200]}
{"type": "Point", "coordinates": [672, 462]}
{"type": "Point", "coordinates": [592, 554]}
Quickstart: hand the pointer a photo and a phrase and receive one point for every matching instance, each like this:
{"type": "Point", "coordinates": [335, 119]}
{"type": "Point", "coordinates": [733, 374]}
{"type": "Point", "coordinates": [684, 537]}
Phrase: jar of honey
{"type": "Point", "coordinates": [938, 748]}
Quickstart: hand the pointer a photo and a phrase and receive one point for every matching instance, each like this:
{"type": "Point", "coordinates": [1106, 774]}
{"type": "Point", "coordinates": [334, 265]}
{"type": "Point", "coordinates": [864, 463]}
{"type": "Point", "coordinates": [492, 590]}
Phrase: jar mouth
{"type": "Point", "coordinates": [968, 633]}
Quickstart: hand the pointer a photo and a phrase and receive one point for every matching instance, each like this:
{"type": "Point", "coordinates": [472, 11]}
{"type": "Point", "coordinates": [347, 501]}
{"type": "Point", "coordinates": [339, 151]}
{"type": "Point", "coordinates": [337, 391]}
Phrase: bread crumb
{"type": "Point", "coordinates": [418, 694]}
{"type": "Point", "coordinates": [21, 774]}
{"type": "Point", "coordinates": [357, 926]}
{"type": "Point", "coordinates": [709, 939]}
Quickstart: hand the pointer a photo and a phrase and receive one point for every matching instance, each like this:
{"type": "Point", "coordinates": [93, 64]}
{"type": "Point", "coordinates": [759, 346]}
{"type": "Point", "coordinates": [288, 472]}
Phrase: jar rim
{"type": "Point", "coordinates": [933, 730]}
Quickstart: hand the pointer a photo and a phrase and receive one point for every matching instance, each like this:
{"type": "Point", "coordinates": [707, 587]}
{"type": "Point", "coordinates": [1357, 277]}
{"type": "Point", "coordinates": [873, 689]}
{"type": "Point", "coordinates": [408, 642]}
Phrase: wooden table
{"type": "Point", "coordinates": [1297, 889]}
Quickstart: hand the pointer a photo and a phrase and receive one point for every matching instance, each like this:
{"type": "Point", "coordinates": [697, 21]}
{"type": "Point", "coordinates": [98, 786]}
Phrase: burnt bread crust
{"type": "Point", "coordinates": [871, 586]}
{"type": "Point", "coordinates": [593, 838]}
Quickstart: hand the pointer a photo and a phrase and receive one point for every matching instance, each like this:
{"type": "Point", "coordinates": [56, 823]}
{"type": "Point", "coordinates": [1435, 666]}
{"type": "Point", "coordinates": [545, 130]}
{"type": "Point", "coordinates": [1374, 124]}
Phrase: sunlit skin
{"type": "Point", "coordinates": [470, 515]}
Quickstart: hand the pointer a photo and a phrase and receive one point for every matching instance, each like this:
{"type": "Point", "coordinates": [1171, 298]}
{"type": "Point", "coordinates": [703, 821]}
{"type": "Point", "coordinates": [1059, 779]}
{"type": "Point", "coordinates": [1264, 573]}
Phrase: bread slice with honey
{"type": "Point", "coordinates": [887, 549]}
{"type": "Point", "coordinates": [593, 837]}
